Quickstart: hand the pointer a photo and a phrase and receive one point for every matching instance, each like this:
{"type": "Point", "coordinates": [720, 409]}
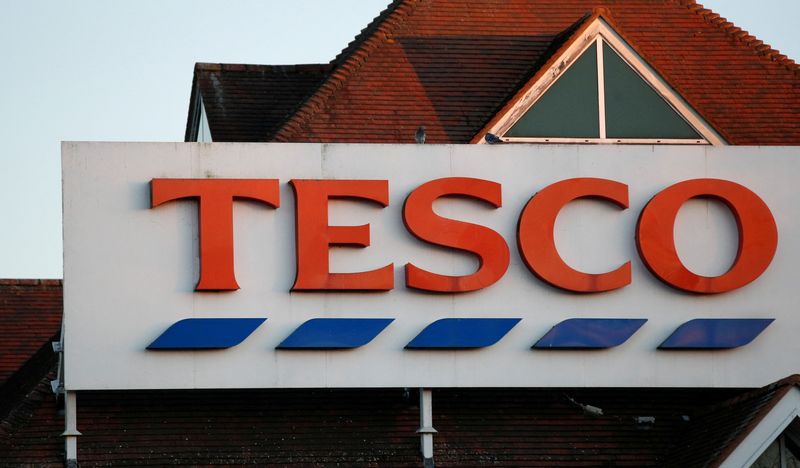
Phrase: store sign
{"type": "Point", "coordinates": [758, 235]}
{"type": "Point", "coordinates": [285, 265]}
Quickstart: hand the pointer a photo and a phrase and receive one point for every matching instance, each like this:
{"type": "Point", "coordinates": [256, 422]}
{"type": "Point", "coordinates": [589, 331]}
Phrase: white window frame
{"type": "Point", "coordinates": [203, 129]}
{"type": "Point", "coordinates": [595, 34]}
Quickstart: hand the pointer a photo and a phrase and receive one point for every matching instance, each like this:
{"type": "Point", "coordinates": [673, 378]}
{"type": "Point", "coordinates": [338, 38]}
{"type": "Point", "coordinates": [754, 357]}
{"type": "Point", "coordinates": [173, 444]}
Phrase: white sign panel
{"type": "Point", "coordinates": [718, 239]}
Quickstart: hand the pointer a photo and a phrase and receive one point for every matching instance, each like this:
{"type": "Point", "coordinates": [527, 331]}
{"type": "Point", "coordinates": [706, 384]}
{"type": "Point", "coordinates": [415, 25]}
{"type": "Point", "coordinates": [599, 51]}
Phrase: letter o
{"type": "Point", "coordinates": [758, 235]}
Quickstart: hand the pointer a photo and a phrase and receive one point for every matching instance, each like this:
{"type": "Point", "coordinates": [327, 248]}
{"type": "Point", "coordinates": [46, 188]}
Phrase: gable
{"type": "Point", "coordinates": [783, 416]}
{"type": "Point", "coordinates": [599, 90]}
{"type": "Point", "coordinates": [783, 451]}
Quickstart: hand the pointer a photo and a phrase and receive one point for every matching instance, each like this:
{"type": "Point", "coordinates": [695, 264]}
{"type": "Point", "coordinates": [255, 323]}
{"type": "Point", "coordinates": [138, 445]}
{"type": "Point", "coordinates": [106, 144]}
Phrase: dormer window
{"type": "Point", "coordinates": [600, 91]}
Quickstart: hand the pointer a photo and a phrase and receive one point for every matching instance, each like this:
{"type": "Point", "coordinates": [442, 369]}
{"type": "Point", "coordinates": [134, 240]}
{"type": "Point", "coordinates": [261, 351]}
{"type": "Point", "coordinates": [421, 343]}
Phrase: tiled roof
{"type": "Point", "coordinates": [249, 102]}
{"type": "Point", "coordinates": [721, 428]}
{"type": "Point", "coordinates": [547, 428]}
{"type": "Point", "coordinates": [243, 427]}
{"type": "Point", "coordinates": [376, 427]}
{"type": "Point", "coordinates": [368, 427]}
{"type": "Point", "coordinates": [451, 65]}
{"type": "Point", "coordinates": [30, 434]}
{"type": "Point", "coordinates": [30, 315]}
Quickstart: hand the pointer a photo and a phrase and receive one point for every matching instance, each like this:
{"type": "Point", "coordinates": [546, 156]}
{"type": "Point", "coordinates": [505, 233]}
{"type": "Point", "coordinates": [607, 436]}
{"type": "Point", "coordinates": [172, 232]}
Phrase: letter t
{"type": "Point", "coordinates": [215, 206]}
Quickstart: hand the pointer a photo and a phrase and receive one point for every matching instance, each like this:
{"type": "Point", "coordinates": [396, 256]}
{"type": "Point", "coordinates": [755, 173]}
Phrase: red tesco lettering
{"type": "Point", "coordinates": [758, 233]}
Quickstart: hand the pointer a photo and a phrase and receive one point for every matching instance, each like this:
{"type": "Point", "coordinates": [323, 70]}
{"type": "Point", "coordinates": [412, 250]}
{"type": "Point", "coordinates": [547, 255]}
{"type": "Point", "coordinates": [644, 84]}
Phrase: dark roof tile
{"type": "Point", "coordinates": [249, 102]}
{"type": "Point", "coordinates": [367, 427]}
{"type": "Point", "coordinates": [718, 430]}
{"type": "Point", "coordinates": [30, 315]}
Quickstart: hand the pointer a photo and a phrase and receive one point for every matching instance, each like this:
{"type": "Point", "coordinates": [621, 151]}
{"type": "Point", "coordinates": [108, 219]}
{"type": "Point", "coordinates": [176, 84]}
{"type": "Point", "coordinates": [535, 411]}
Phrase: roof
{"type": "Point", "coordinates": [248, 102]}
{"type": "Point", "coordinates": [366, 427]}
{"type": "Point", "coordinates": [451, 66]}
{"type": "Point", "coordinates": [30, 430]}
{"type": "Point", "coordinates": [544, 427]}
{"type": "Point", "coordinates": [720, 428]}
{"type": "Point", "coordinates": [30, 315]}
{"type": "Point", "coordinates": [376, 427]}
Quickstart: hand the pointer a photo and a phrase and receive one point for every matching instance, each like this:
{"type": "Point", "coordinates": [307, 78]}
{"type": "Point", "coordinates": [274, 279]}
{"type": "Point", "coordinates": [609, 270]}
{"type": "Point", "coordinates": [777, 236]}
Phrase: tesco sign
{"type": "Point", "coordinates": [758, 235]}
{"type": "Point", "coordinates": [305, 265]}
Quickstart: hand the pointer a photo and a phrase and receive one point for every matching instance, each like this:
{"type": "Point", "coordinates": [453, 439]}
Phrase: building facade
{"type": "Point", "coordinates": [584, 72]}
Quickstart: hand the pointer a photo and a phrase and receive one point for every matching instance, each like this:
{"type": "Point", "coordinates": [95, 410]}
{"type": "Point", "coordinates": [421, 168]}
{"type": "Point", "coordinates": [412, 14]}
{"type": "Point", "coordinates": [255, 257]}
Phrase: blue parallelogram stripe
{"type": "Point", "coordinates": [206, 333]}
{"type": "Point", "coordinates": [589, 333]}
{"type": "Point", "coordinates": [462, 333]}
{"type": "Point", "coordinates": [334, 333]}
{"type": "Point", "coordinates": [715, 333]}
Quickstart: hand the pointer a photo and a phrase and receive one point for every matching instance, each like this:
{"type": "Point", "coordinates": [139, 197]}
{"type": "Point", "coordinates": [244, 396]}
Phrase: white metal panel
{"type": "Point", "coordinates": [129, 271]}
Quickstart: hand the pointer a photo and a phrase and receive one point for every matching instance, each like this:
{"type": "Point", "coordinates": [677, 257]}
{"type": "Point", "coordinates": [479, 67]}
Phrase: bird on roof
{"type": "Point", "coordinates": [420, 135]}
{"type": "Point", "coordinates": [492, 139]}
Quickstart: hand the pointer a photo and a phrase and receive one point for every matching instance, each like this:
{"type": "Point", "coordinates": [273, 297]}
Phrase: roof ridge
{"type": "Point", "coordinates": [302, 67]}
{"type": "Point", "coordinates": [755, 398]}
{"type": "Point", "coordinates": [762, 49]}
{"type": "Point", "coordinates": [23, 411]}
{"type": "Point", "coordinates": [753, 393]}
{"type": "Point", "coordinates": [30, 282]}
{"type": "Point", "coordinates": [780, 389]}
{"type": "Point", "coordinates": [346, 64]}
{"type": "Point", "coordinates": [365, 33]}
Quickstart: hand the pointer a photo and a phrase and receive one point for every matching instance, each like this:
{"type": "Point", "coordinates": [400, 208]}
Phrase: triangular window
{"type": "Point", "coordinates": [634, 109]}
{"type": "Point", "coordinates": [568, 109]}
{"type": "Point", "coordinates": [602, 92]}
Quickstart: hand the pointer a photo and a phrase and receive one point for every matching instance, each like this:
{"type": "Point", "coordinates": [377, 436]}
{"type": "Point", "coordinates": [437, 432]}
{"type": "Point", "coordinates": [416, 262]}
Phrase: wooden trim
{"type": "Point", "coordinates": [553, 70]}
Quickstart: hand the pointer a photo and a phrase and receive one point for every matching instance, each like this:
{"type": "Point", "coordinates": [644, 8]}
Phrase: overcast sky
{"type": "Point", "coordinates": [122, 71]}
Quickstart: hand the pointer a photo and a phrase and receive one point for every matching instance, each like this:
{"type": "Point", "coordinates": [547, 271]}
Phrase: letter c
{"type": "Point", "coordinates": [537, 244]}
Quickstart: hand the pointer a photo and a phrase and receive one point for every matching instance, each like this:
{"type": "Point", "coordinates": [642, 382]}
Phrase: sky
{"type": "Point", "coordinates": [122, 71]}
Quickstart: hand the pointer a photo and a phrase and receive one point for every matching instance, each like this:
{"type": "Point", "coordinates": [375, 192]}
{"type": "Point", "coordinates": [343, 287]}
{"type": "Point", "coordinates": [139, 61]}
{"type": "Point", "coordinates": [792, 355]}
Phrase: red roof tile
{"type": "Point", "coordinates": [451, 65]}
